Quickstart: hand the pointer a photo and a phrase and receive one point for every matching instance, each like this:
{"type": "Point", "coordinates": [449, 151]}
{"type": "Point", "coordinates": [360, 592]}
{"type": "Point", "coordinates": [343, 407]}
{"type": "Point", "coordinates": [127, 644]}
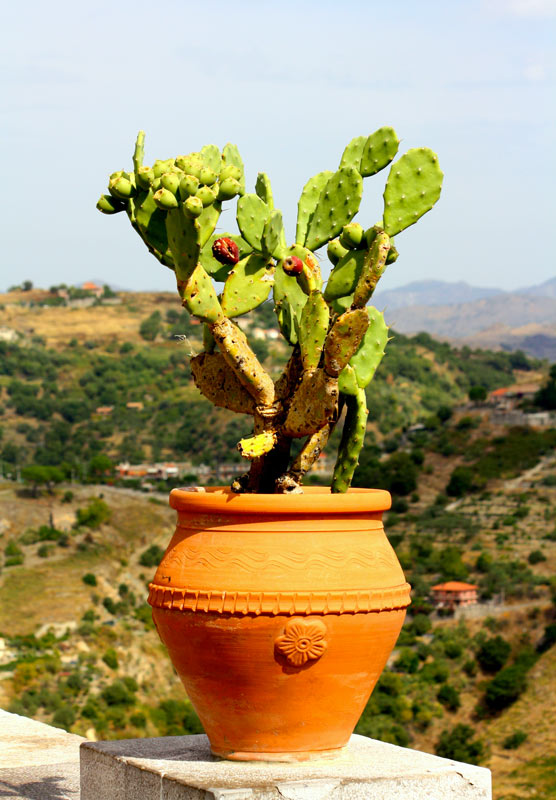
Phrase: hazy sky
{"type": "Point", "coordinates": [290, 83]}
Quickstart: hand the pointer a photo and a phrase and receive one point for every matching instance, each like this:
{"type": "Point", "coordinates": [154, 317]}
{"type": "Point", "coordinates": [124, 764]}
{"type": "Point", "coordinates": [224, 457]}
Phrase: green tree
{"type": "Point", "coordinates": [477, 394]}
{"type": "Point", "coordinates": [151, 326]}
{"type": "Point", "coordinates": [493, 654]}
{"type": "Point", "coordinates": [460, 745]}
{"type": "Point", "coordinates": [37, 475]}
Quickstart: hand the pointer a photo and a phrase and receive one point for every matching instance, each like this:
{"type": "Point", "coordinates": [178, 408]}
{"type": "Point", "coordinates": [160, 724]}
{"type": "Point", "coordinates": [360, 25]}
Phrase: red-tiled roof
{"type": "Point", "coordinates": [454, 586]}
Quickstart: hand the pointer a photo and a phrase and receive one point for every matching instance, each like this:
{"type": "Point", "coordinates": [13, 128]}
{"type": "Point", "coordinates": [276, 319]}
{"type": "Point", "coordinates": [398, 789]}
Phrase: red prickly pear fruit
{"type": "Point", "coordinates": [292, 265]}
{"type": "Point", "coordinates": [225, 250]}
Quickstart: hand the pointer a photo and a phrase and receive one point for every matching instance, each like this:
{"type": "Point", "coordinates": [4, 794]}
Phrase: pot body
{"type": "Point", "coordinates": [279, 613]}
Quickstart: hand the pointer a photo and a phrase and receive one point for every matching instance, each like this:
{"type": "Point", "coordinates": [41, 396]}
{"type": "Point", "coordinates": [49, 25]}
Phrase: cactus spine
{"type": "Point", "coordinates": [338, 342]}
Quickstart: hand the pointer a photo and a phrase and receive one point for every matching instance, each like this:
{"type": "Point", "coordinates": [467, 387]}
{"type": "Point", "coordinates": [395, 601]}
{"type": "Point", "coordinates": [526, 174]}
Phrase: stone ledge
{"type": "Point", "coordinates": [183, 768]}
{"type": "Point", "coordinates": [37, 761]}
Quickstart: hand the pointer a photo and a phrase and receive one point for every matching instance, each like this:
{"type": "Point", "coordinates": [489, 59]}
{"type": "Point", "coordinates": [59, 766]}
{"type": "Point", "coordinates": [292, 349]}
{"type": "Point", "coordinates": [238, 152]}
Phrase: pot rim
{"type": "Point", "coordinates": [314, 500]}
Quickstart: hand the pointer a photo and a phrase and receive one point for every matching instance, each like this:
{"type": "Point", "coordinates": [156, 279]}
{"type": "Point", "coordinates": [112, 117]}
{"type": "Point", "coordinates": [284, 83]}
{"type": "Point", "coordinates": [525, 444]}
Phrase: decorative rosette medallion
{"type": "Point", "coordinates": [303, 640]}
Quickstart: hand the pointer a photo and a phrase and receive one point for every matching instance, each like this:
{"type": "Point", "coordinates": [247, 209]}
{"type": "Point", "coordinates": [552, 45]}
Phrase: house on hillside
{"type": "Point", "coordinates": [89, 286]}
{"type": "Point", "coordinates": [509, 397]}
{"type": "Point", "coordinates": [137, 406]}
{"type": "Point", "coordinates": [454, 594]}
{"type": "Point", "coordinates": [104, 411]}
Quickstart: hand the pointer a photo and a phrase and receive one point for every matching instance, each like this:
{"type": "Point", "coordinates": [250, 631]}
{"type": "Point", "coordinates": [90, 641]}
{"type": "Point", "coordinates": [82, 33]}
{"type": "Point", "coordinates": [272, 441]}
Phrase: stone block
{"type": "Point", "coordinates": [183, 768]}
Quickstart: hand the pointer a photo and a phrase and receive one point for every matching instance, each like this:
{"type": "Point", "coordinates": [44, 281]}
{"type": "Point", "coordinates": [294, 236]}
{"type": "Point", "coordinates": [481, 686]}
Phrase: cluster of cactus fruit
{"type": "Point", "coordinates": [337, 340]}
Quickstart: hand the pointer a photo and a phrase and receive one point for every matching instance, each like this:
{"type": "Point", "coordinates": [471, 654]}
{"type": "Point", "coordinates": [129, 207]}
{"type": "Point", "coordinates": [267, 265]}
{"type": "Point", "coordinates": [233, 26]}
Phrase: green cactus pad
{"type": "Point", "coordinates": [337, 205]}
{"type": "Point", "coordinates": [343, 278]}
{"type": "Point", "coordinates": [252, 214]}
{"type": "Point", "coordinates": [199, 297]}
{"type": "Point", "coordinates": [256, 446]}
{"type": "Point", "coordinates": [208, 221]}
{"type": "Point", "coordinates": [211, 157]}
{"type": "Point", "coordinates": [264, 190]}
{"type": "Point", "coordinates": [231, 156]}
{"type": "Point", "coordinates": [110, 205]}
{"type": "Point", "coordinates": [287, 321]}
{"type": "Point", "coordinates": [351, 156]}
{"type": "Point", "coordinates": [347, 381]}
{"type": "Point", "coordinates": [151, 221]}
{"type": "Point", "coordinates": [370, 353]}
{"type": "Point", "coordinates": [353, 436]}
{"type": "Point", "coordinates": [314, 404]}
{"type": "Point", "coordinates": [273, 240]}
{"type": "Point", "coordinates": [289, 298]}
{"type": "Point", "coordinates": [380, 148]}
{"type": "Point", "coordinates": [412, 189]}
{"type": "Point", "coordinates": [312, 330]}
{"type": "Point", "coordinates": [308, 203]}
{"type": "Point", "coordinates": [220, 271]}
{"type": "Point", "coordinates": [343, 340]}
{"type": "Point", "coordinates": [139, 152]}
{"type": "Point", "coordinates": [184, 242]}
{"type": "Point", "coordinates": [247, 286]}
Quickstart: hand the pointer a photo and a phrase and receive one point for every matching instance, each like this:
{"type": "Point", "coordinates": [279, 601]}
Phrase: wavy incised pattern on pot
{"type": "Point", "coordinates": [274, 603]}
{"type": "Point", "coordinates": [249, 560]}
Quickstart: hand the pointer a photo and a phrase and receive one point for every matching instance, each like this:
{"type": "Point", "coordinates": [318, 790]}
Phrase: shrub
{"type": "Point", "coordinates": [89, 579]}
{"type": "Point", "coordinates": [93, 515]}
{"type": "Point", "coordinates": [449, 697]}
{"type": "Point", "coordinates": [407, 661]}
{"type": "Point", "coordinates": [421, 624]}
{"type": "Point", "coordinates": [536, 556]}
{"type": "Point", "coordinates": [513, 741]}
{"type": "Point", "coordinates": [493, 654]}
{"type": "Point", "coordinates": [118, 694]}
{"type": "Point", "coordinates": [110, 605]}
{"type": "Point", "coordinates": [152, 556]}
{"type": "Point", "coordinates": [505, 687]}
{"type": "Point", "coordinates": [110, 658]}
{"type": "Point", "coordinates": [459, 744]}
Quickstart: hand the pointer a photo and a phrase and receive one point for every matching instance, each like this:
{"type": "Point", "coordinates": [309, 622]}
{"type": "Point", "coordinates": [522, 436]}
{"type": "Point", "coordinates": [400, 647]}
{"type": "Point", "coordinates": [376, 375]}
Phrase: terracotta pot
{"type": "Point", "coordinates": [279, 613]}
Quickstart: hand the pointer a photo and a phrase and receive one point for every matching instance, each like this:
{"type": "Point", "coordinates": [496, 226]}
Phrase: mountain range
{"type": "Point", "coordinates": [524, 319]}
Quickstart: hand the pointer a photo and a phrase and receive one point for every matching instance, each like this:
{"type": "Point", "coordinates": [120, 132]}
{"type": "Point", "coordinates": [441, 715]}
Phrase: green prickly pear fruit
{"type": "Point", "coordinates": [228, 188]}
{"type": "Point", "coordinates": [110, 205]}
{"type": "Point", "coordinates": [122, 188]}
{"type": "Point", "coordinates": [188, 186]}
{"type": "Point", "coordinates": [230, 171]}
{"type": "Point", "coordinates": [292, 265]}
{"type": "Point", "coordinates": [170, 181]}
{"type": "Point", "coordinates": [351, 236]}
{"type": "Point", "coordinates": [145, 177]}
{"type": "Point", "coordinates": [335, 251]}
{"type": "Point", "coordinates": [156, 184]}
{"type": "Point", "coordinates": [206, 195]}
{"type": "Point", "coordinates": [371, 233]}
{"type": "Point", "coordinates": [190, 165]}
{"type": "Point", "coordinates": [164, 199]}
{"type": "Point", "coordinates": [225, 250]}
{"type": "Point", "coordinates": [208, 176]}
{"type": "Point", "coordinates": [160, 167]}
{"type": "Point", "coordinates": [193, 207]}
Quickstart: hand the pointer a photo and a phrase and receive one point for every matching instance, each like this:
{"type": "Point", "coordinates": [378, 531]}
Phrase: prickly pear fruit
{"type": "Point", "coordinates": [122, 188]}
{"type": "Point", "coordinates": [231, 156]}
{"type": "Point", "coordinates": [225, 250]}
{"type": "Point", "coordinates": [165, 200]}
{"type": "Point", "coordinates": [335, 251]}
{"type": "Point", "coordinates": [144, 177]}
{"type": "Point", "coordinates": [191, 165]}
{"type": "Point", "coordinates": [170, 181]}
{"type": "Point", "coordinates": [380, 148]}
{"type": "Point", "coordinates": [351, 236]}
{"type": "Point", "coordinates": [230, 171]}
{"type": "Point", "coordinates": [228, 188]}
{"type": "Point", "coordinates": [412, 189]}
{"type": "Point", "coordinates": [206, 195]}
{"type": "Point", "coordinates": [189, 186]}
{"type": "Point", "coordinates": [160, 167]}
{"type": "Point", "coordinates": [208, 176]}
{"type": "Point", "coordinates": [193, 207]}
{"type": "Point", "coordinates": [292, 265]}
{"type": "Point", "coordinates": [110, 205]}
{"type": "Point", "coordinates": [392, 254]}
{"type": "Point", "coordinates": [217, 269]}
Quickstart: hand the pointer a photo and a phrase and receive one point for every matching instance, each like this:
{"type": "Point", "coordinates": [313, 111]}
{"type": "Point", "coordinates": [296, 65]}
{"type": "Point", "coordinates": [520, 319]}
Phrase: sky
{"type": "Point", "coordinates": [290, 83]}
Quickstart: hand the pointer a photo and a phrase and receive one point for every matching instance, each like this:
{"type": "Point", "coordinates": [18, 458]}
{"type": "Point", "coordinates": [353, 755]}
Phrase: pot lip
{"type": "Point", "coordinates": [314, 500]}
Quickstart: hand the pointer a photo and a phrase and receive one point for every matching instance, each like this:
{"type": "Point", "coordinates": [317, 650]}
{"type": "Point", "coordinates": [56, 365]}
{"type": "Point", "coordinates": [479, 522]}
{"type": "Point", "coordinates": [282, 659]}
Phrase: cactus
{"type": "Point", "coordinates": [338, 341]}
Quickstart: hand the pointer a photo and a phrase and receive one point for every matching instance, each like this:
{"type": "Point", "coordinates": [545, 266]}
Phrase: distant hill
{"type": "Point", "coordinates": [524, 319]}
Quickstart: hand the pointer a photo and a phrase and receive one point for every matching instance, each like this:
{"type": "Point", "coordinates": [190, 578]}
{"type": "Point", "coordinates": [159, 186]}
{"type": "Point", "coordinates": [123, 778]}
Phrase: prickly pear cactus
{"type": "Point", "coordinates": [337, 340]}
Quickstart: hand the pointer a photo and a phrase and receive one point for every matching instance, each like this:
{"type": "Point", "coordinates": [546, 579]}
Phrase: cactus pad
{"type": "Point", "coordinates": [380, 148]}
{"type": "Point", "coordinates": [247, 286]}
{"type": "Point", "coordinates": [351, 156]}
{"type": "Point", "coordinates": [220, 271]}
{"type": "Point", "coordinates": [351, 443]}
{"type": "Point", "coordinates": [343, 339]}
{"type": "Point", "coordinates": [217, 383]}
{"type": "Point", "coordinates": [338, 203]}
{"type": "Point", "coordinates": [256, 446]}
{"type": "Point", "coordinates": [370, 353]}
{"type": "Point", "coordinates": [343, 278]}
{"type": "Point", "coordinates": [412, 189]}
{"type": "Point", "coordinates": [314, 404]}
{"type": "Point", "coordinates": [308, 203]}
{"type": "Point", "coordinates": [252, 214]}
{"type": "Point", "coordinates": [199, 297]}
{"type": "Point", "coordinates": [273, 240]}
{"type": "Point", "coordinates": [264, 190]}
{"type": "Point", "coordinates": [313, 327]}
{"type": "Point", "coordinates": [373, 267]}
